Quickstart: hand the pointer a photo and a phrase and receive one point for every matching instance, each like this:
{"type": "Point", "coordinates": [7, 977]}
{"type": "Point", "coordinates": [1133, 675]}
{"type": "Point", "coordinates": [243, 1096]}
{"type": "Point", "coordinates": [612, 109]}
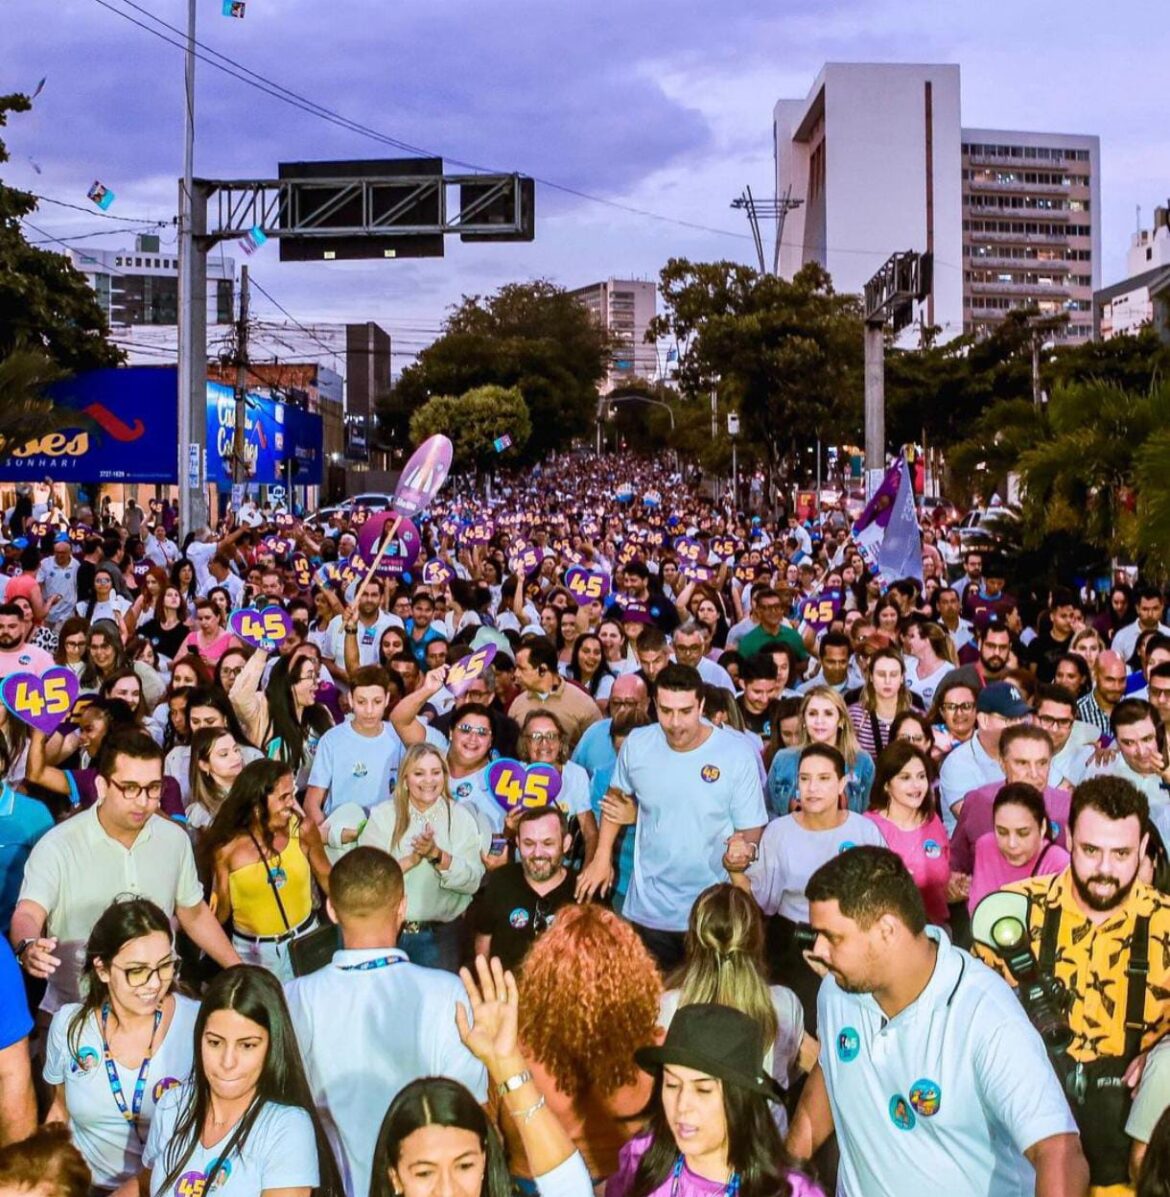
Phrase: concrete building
{"type": "Point", "coordinates": [1031, 227]}
{"type": "Point", "coordinates": [1142, 298]}
{"type": "Point", "coordinates": [141, 286]}
{"type": "Point", "coordinates": [878, 156]}
{"type": "Point", "coordinates": [624, 309]}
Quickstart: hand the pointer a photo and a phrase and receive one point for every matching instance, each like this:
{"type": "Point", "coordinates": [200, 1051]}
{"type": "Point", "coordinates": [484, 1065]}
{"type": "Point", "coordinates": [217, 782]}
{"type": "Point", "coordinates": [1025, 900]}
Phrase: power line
{"type": "Point", "coordinates": [286, 95]}
{"type": "Point", "coordinates": [97, 212]}
{"type": "Point", "coordinates": [87, 236]}
{"type": "Point", "coordinates": [313, 337]}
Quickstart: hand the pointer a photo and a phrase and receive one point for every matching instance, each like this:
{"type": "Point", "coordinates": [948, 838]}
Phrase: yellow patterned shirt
{"type": "Point", "coordinates": [1091, 961]}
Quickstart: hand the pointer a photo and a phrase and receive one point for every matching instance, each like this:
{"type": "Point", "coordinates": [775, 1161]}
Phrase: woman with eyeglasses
{"type": "Point", "coordinates": [264, 857]}
{"type": "Point", "coordinates": [72, 642]}
{"type": "Point", "coordinates": [543, 741]}
{"type": "Point", "coordinates": [111, 1057]}
{"type": "Point", "coordinates": [438, 843]}
{"type": "Point", "coordinates": [952, 715]}
{"type": "Point", "coordinates": [243, 1124]}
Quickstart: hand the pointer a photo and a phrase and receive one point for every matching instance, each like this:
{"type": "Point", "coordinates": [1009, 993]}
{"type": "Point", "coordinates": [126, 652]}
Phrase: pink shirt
{"type": "Point", "coordinates": [28, 658]}
{"type": "Point", "coordinates": [212, 652]}
{"type": "Point", "coordinates": [993, 872]}
{"type": "Point", "coordinates": [925, 852]}
{"type": "Point", "coordinates": [976, 818]}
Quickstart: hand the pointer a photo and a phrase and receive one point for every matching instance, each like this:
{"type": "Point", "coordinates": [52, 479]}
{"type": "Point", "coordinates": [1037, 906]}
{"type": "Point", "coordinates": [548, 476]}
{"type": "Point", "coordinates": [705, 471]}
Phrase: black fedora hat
{"type": "Point", "coordinates": [718, 1041]}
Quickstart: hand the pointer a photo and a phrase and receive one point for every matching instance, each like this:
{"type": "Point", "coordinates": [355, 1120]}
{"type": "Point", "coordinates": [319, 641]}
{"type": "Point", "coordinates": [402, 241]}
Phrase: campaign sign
{"type": "Point", "coordinates": [688, 548]}
{"type": "Point", "coordinates": [625, 492]}
{"type": "Point", "coordinates": [280, 546]}
{"type": "Point", "coordinates": [302, 571]}
{"type": "Point", "coordinates": [284, 519]}
{"type": "Point", "coordinates": [436, 572]}
{"type": "Point", "coordinates": [42, 702]}
{"type": "Point", "coordinates": [587, 585]}
{"type": "Point", "coordinates": [694, 572]}
{"type": "Point", "coordinates": [78, 533]}
{"type": "Point", "coordinates": [39, 528]}
{"type": "Point", "coordinates": [425, 473]}
{"type": "Point", "coordinates": [405, 548]}
{"type": "Point", "coordinates": [478, 532]}
{"type": "Point", "coordinates": [747, 571]}
{"type": "Point", "coordinates": [725, 546]}
{"type": "Point", "coordinates": [464, 672]}
{"type": "Point", "coordinates": [358, 516]}
{"type": "Point", "coordinates": [261, 629]}
{"type": "Point", "coordinates": [652, 498]}
{"type": "Point", "coordinates": [821, 609]}
{"type": "Point", "coordinates": [141, 568]}
{"type": "Point", "coordinates": [523, 557]}
{"type": "Point", "coordinates": [514, 784]}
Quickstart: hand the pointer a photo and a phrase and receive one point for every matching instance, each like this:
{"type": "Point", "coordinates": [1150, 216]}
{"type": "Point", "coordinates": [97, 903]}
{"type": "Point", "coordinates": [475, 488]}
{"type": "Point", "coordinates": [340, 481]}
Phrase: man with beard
{"type": "Point", "coordinates": [17, 656]}
{"type": "Point", "coordinates": [520, 900]}
{"type": "Point", "coordinates": [1101, 931]}
{"type": "Point", "coordinates": [993, 645]}
{"type": "Point", "coordinates": [924, 1052]}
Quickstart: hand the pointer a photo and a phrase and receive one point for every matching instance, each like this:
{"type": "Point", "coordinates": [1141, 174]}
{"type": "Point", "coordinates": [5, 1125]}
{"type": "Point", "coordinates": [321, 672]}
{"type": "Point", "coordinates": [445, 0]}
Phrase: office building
{"type": "Point", "coordinates": [141, 286]}
{"type": "Point", "coordinates": [1142, 298]}
{"type": "Point", "coordinates": [624, 309]}
{"type": "Point", "coordinates": [878, 156]}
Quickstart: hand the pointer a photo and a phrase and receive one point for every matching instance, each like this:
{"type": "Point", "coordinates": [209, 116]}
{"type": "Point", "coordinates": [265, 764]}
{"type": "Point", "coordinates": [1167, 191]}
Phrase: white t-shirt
{"type": "Point", "coordinates": [689, 803]}
{"type": "Point", "coordinates": [790, 854]}
{"type": "Point", "coordinates": [280, 1153]}
{"type": "Point", "coordinates": [356, 768]}
{"type": "Point", "coordinates": [931, 1100]}
{"type": "Point", "coordinates": [368, 638]}
{"type": "Point", "coordinates": [114, 607]}
{"type": "Point", "coordinates": [110, 1144]}
{"type": "Point", "coordinates": [60, 580]}
{"type": "Point", "coordinates": [366, 1033]}
{"type": "Point", "coordinates": [200, 553]}
{"type": "Point", "coordinates": [966, 768]}
{"type": "Point", "coordinates": [925, 687]}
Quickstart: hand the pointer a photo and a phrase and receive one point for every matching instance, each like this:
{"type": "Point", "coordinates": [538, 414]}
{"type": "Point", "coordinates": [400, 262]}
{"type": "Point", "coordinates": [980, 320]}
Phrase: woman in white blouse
{"type": "Point", "coordinates": [438, 844]}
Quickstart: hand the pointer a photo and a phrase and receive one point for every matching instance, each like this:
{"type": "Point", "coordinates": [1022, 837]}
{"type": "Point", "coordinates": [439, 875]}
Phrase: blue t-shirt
{"type": "Point", "coordinates": [15, 1021]}
{"type": "Point", "coordinates": [419, 647]}
{"type": "Point", "coordinates": [23, 820]}
{"type": "Point", "coordinates": [595, 754]}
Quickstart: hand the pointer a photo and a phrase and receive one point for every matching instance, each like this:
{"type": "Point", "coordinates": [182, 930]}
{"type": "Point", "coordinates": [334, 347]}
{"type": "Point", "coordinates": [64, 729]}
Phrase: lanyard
{"type": "Point", "coordinates": [367, 966]}
{"type": "Point", "coordinates": [131, 1114]}
{"type": "Point", "coordinates": [731, 1189]}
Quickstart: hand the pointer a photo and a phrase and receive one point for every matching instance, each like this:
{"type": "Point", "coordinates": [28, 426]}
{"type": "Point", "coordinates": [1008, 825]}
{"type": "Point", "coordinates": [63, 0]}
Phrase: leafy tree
{"type": "Point", "coordinates": [531, 336]}
{"type": "Point", "coordinates": [44, 301]}
{"type": "Point", "coordinates": [473, 421]}
{"type": "Point", "coordinates": [787, 355]}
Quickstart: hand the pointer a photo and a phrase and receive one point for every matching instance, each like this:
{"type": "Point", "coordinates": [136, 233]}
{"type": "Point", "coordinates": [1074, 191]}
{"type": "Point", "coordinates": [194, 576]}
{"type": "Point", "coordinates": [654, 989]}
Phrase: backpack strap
{"type": "Point", "coordinates": [1137, 974]}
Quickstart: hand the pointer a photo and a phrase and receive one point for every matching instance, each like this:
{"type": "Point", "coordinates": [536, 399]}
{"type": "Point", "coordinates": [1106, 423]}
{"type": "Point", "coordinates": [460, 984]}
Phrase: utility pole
{"type": "Point", "coordinates": [239, 443]}
{"type": "Point", "coordinates": [776, 208]}
{"type": "Point", "coordinates": [1040, 327]}
{"type": "Point", "coordinates": [193, 328]}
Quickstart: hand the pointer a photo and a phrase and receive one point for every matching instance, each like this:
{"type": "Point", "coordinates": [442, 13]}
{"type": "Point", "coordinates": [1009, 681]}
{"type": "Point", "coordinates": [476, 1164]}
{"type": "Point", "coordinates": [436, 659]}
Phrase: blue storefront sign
{"type": "Point", "coordinates": [132, 433]}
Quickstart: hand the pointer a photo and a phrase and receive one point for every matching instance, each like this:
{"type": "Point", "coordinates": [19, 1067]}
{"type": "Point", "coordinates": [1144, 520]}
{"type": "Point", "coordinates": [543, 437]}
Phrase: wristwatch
{"type": "Point", "coordinates": [513, 1083]}
{"type": "Point", "coordinates": [23, 947]}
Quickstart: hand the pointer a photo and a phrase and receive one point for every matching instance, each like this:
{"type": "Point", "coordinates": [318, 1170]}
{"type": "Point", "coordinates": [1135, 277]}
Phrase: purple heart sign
{"type": "Point", "coordinates": [41, 702]}
{"type": "Point", "coordinates": [261, 629]}
{"type": "Point", "coordinates": [436, 572]}
{"type": "Point", "coordinates": [406, 549]}
{"type": "Point", "coordinates": [513, 784]}
{"type": "Point", "coordinates": [424, 474]}
{"type": "Point", "coordinates": [586, 585]}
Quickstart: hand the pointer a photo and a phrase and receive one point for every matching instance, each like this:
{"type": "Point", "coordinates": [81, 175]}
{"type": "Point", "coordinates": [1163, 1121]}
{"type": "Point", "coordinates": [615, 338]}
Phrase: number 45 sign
{"type": "Point", "coordinates": [261, 629]}
{"type": "Point", "coordinates": [42, 702]}
{"type": "Point", "coordinates": [513, 784]}
{"type": "Point", "coordinates": [464, 672]}
{"type": "Point", "coordinates": [820, 610]}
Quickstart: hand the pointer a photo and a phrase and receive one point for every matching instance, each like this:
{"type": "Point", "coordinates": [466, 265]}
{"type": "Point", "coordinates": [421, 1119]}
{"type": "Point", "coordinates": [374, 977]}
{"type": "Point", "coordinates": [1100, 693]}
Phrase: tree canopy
{"type": "Point", "coordinates": [534, 337]}
{"type": "Point", "coordinates": [473, 421]}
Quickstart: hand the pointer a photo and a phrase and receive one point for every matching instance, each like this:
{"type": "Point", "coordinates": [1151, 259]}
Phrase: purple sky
{"type": "Point", "coordinates": [661, 107]}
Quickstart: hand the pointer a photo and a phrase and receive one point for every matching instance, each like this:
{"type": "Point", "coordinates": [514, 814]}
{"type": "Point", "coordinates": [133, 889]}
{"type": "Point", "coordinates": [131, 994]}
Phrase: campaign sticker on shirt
{"type": "Point", "coordinates": [848, 1045]}
{"type": "Point", "coordinates": [844, 846]}
{"type": "Point", "coordinates": [901, 1115]}
{"type": "Point", "coordinates": [462, 790]}
{"type": "Point", "coordinates": [86, 1060]}
{"type": "Point", "coordinates": [709, 773]}
{"type": "Point", "coordinates": [932, 849]}
{"type": "Point", "coordinates": [167, 1082]}
{"type": "Point", "coordinates": [197, 1184]}
{"type": "Point", "coordinates": [518, 918]}
{"type": "Point", "coordinates": [1053, 829]}
{"type": "Point", "coordinates": [360, 770]}
{"type": "Point", "coordinates": [926, 1097]}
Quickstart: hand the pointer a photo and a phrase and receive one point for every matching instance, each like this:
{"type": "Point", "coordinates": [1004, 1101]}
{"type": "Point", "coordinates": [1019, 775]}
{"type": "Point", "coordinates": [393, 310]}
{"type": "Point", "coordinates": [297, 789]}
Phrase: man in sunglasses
{"type": "Point", "coordinates": [122, 845]}
{"type": "Point", "coordinates": [520, 900]}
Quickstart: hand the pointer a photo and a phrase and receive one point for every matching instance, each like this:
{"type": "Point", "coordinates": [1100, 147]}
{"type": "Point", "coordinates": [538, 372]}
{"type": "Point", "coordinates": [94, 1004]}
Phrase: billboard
{"type": "Point", "coordinates": [275, 433]}
{"type": "Point", "coordinates": [130, 435]}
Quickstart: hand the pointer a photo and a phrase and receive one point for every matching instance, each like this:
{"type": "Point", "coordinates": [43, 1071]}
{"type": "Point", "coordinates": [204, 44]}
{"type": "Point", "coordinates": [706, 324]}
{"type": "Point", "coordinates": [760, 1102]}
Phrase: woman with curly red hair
{"type": "Point", "coordinates": [589, 995]}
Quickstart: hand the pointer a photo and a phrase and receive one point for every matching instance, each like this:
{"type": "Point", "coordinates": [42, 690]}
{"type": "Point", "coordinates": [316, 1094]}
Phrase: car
{"type": "Point", "coordinates": [986, 528]}
{"type": "Point", "coordinates": [936, 510]}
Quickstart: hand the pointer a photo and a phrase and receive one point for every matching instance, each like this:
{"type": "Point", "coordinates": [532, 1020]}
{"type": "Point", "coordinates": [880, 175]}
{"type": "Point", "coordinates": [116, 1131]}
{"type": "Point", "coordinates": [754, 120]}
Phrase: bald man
{"type": "Point", "coordinates": [595, 752]}
{"type": "Point", "coordinates": [1109, 677]}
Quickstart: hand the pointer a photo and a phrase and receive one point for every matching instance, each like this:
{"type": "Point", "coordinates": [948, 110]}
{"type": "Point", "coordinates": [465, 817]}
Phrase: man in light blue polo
{"type": "Point", "coordinates": [930, 1072]}
{"type": "Point", "coordinates": [688, 786]}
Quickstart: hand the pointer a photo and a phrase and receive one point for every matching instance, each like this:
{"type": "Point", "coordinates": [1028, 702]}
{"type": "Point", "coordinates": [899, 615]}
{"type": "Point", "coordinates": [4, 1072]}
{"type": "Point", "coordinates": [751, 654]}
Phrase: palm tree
{"type": "Point", "coordinates": [25, 411]}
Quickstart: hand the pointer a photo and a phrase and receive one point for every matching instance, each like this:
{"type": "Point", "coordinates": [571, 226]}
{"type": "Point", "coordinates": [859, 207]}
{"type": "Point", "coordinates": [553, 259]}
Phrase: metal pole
{"type": "Point", "coordinates": [734, 475]}
{"type": "Point", "coordinates": [714, 414]}
{"type": "Point", "coordinates": [239, 441]}
{"type": "Point", "coordinates": [875, 406]}
{"type": "Point", "coordinates": [818, 502]}
{"type": "Point", "coordinates": [1036, 369]}
{"type": "Point", "coordinates": [192, 347]}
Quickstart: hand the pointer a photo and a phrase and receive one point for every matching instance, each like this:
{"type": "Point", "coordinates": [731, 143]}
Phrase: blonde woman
{"type": "Point", "coordinates": [724, 964]}
{"type": "Point", "coordinates": [437, 843]}
{"type": "Point", "coordinates": [824, 719]}
{"type": "Point", "coordinates": [1087, 643]}
{"type": "Point", "coordinates": [933, 654]}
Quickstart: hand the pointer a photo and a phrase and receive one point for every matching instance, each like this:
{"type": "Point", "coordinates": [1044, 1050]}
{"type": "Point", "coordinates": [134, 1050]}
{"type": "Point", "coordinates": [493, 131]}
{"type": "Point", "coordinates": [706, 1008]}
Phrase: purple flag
{"type": "Point", "coordinates": [877, 510]}
{"type": "Point", "coordinates": [899, 553]}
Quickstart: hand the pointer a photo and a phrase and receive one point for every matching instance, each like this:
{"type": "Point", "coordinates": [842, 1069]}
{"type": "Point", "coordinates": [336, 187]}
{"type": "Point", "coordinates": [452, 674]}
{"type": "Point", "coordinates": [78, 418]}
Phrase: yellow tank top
{"type": "Point", "coordinates": [254, 908]}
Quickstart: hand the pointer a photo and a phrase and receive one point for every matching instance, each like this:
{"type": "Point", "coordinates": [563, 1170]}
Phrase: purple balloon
{"type": "Point", "coordinates": [424, 474]}
{"type": "Point", "coordinates": [42, 702]}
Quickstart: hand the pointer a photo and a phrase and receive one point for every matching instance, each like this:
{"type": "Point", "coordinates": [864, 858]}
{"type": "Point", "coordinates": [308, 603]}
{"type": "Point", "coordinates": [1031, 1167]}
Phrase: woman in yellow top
{"type": "Point", "coordinates": [264, 855]}
{"type": "Point", "coordinates": [437, 843]}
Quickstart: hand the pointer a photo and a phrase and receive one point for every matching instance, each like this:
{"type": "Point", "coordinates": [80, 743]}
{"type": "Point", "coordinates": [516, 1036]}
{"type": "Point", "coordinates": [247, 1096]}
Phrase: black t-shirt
{"type": "Point", "coordinates": [513, 914]}
{"type": "Point", "coordinates": [1045, 652]}
{"type": "Point", "coordinates": [167, 641]}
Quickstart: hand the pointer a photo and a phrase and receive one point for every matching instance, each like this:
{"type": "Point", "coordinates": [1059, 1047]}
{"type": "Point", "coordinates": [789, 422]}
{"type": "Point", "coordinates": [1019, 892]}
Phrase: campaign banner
{"type": "Point", "coordinates": [275, 434]}
{"type": "Point", "coordinates": [130, 434]}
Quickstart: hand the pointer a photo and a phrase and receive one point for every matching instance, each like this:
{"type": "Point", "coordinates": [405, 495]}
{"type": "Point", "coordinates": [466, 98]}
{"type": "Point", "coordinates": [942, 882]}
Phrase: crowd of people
{"type": "Point", "coordinates": [619, 840]}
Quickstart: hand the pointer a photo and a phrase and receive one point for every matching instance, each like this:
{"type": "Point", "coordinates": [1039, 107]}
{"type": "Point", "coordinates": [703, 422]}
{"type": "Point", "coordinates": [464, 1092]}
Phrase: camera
{"type": "Point", "coordinates": [1000, 922]}
{"type": "Point", "coordinates": [804, 937]}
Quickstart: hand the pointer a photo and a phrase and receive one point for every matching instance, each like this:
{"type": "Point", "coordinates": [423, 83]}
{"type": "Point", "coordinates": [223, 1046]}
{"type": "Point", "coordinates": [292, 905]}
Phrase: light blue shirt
{"type": "Point", "coordinates": [595, 754]}
{"type": "Point", "coordinates": [782, 781]}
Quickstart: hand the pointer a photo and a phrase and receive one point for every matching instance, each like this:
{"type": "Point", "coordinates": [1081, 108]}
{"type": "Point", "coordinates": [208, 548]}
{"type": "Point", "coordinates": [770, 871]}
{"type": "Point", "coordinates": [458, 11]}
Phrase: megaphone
{"type": "Point", "coordinates": [1001, 920]}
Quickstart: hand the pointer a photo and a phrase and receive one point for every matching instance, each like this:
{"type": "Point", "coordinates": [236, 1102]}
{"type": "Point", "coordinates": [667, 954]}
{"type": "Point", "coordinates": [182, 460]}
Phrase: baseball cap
{"type": "Point", "coordinates": [635, 612]}
{"type": "Point", "coordinates": [1003, 698]}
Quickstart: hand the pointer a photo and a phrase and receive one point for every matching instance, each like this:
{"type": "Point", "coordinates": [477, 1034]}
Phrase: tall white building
{"type": "Point", "coordinates": [1142, 298]}
{"type": "Point", "coordinates": [624, 309]}
{"type": "Point", "coordinates": [878, 156]}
